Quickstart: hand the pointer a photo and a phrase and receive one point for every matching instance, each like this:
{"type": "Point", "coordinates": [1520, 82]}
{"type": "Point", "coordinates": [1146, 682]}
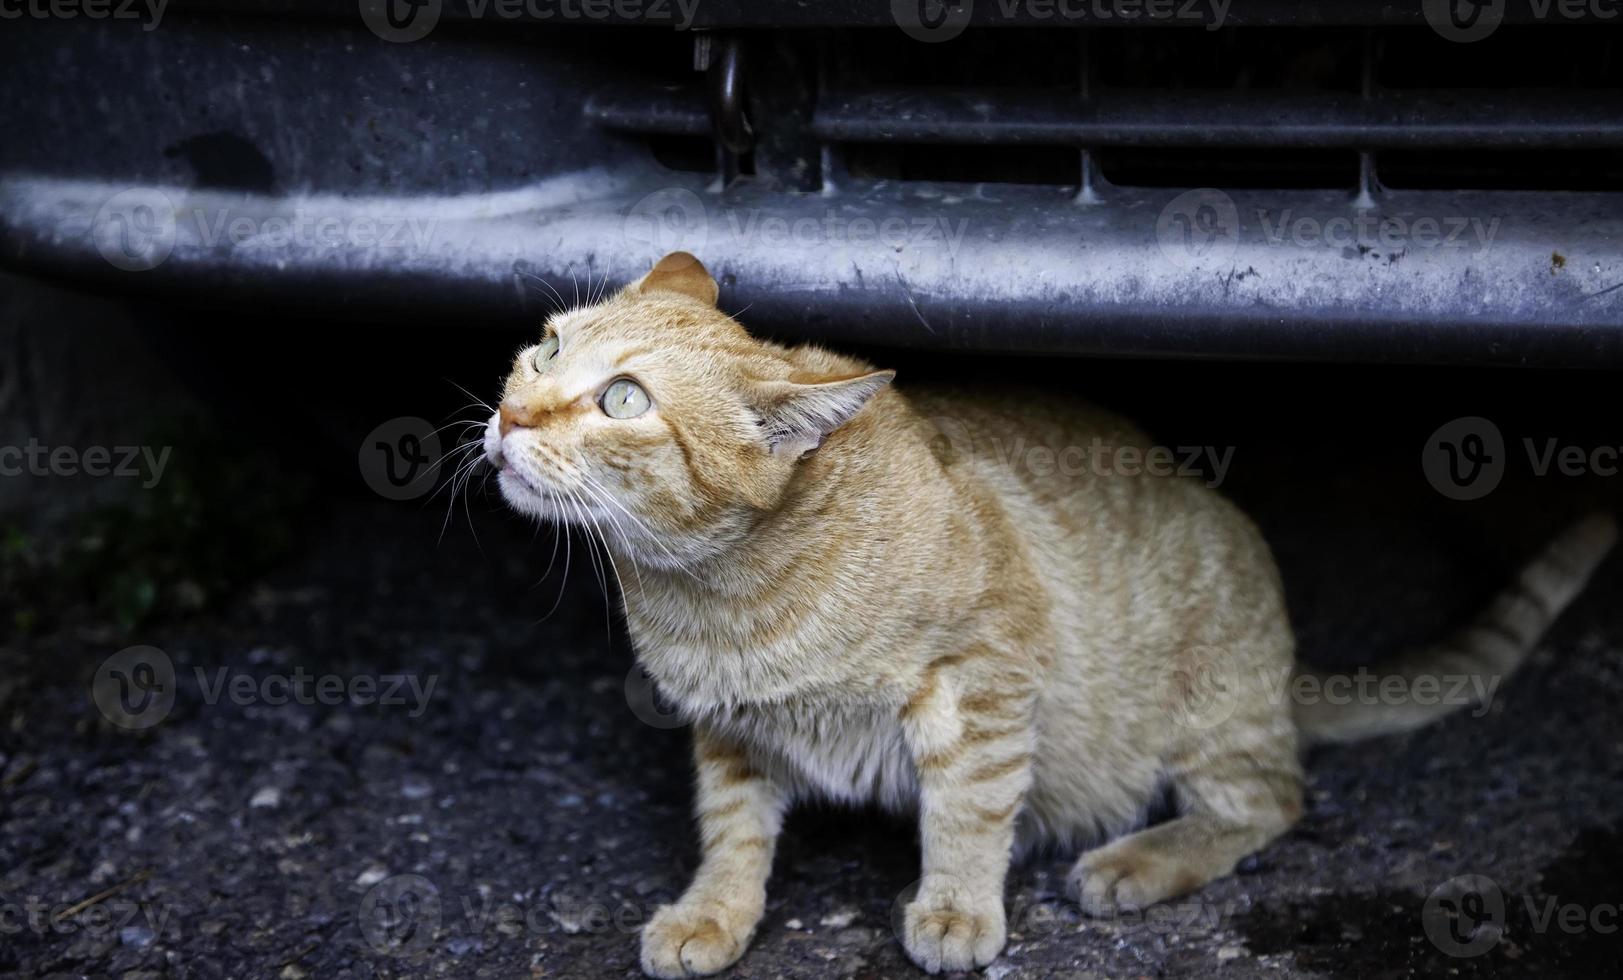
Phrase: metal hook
{"type": "Point", "coordinates": [727, 98]}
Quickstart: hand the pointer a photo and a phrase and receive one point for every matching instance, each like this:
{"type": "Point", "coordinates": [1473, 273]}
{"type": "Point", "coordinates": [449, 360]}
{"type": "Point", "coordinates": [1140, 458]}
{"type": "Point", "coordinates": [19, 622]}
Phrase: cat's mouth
{"type": "Point", "coordinates": [527, 489]}
{"type": "Point", "coordinates": [512, 476]}
{"type": "Point", "coordinates": [529, 493]}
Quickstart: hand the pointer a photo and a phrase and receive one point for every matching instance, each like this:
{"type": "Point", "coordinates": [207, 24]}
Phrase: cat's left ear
{"type": "Point", "coordinates": [798, 416]}
{"type": "Point", "coordinates": [681, 273]}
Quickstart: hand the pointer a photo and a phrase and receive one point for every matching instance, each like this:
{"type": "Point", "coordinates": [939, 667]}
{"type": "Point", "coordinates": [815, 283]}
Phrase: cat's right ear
{"type": "Point", "coordinates": [798, 416]}
{"type": "Point", "coordinates": [681, 273]}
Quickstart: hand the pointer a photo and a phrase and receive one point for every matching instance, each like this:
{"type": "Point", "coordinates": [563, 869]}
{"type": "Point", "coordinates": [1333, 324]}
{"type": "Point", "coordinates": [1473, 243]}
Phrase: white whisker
{"type": "Point", "coordinates": [597, 497]}
{"type": "Point", "coordinates": [464, 467]}
{"type": "Point", "coordinates": [546, 285]}
{"type": "Point", "coordinates": [476, 399]}
{"type": "Point", "coordinates": [579, 508]}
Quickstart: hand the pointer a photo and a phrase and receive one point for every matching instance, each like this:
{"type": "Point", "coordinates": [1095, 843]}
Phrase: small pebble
{"type": "Point", "coordinates": [266, 797]}
{"type": "Point", "coordinates": [371, 876]}
{"type": "Point", "coordinates": [416, 789]}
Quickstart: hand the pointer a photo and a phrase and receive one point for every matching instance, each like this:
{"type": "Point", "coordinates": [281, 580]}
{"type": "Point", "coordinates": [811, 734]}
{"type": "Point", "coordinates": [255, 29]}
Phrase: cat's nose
{"type": "Point", "coordinates": [514, 415]}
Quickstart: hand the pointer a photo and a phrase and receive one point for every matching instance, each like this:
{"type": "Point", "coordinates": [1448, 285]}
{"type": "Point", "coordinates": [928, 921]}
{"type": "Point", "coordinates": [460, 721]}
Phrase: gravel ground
{"type": "Point", "coordinates": [523, 815]}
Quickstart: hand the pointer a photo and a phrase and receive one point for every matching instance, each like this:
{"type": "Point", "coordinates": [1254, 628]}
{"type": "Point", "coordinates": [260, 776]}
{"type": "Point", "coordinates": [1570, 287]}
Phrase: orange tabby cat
{"type": "Point", "coordinates": [852, 605]}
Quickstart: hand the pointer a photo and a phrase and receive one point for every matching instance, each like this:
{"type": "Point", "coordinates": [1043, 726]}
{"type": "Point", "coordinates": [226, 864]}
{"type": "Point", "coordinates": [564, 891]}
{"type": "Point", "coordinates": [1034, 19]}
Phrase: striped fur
{"type": "Point", "coordinates": [1490, 647]}
{"type": "Point", "coordinates": [856, 596]}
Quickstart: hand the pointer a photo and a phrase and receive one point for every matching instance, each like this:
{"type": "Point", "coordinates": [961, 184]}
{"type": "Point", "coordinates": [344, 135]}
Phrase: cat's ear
{"type": "Point", "coordinates": [680, 273]}
{"type": "Point", "coordinates": [797, 416]}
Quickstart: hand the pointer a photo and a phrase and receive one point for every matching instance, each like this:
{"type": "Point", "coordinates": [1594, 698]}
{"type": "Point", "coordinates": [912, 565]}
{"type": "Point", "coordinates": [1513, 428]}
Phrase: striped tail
{"type": "Point", "coordinates": [1475, 659]}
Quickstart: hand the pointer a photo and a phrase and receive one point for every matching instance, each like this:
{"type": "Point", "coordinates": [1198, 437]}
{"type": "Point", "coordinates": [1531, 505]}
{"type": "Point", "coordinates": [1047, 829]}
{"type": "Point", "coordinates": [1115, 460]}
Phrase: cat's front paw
{"type": "Point", "coordinates": [690, 940]}
{"type": "Point", "coordinates": [943, 930]}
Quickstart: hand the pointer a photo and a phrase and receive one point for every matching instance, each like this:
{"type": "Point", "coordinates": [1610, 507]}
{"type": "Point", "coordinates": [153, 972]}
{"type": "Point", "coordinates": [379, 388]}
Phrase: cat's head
{"type": "Point", "coordinates": [654, 416]}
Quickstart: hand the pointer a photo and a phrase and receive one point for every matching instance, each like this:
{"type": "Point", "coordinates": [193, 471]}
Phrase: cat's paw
{"type": "Point", "coordinates": [943, 932]}
{"type": "Point", "coordinates": [1114, 879]}
{"type": "Point", "coordinates": [690, 940]}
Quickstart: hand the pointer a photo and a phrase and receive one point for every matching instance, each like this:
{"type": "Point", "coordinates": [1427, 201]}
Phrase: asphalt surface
{"type": "Point", "coordinates": [521, 816]}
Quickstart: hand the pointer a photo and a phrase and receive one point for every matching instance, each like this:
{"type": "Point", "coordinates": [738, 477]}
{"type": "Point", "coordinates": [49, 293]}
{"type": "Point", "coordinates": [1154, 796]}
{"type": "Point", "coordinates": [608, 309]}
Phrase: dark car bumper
{"type": "Point", "coordinates": [485, 169]}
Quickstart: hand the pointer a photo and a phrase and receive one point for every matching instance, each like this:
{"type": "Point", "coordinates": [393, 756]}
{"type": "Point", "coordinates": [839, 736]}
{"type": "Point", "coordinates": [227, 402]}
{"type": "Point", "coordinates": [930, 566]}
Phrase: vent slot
{"type": "Point", "coordinates": [1049, 165]}
{"type": "Point", "coordinates": [1536, 56]}
{"type": "Point", "coordinates": [1545, 170]}
{"type": "Point", "coordinates": [1020, 59]}
{"type": "Point", "coordinates": [689, 154]}
{"type": "Point", "coordinates": [1232, 168]}
{"type": "Point", "coordinates": [1257, 59]}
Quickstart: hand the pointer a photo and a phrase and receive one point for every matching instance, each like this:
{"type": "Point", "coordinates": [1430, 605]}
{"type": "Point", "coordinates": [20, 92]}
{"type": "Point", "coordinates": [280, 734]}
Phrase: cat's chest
{"type": "Point", "coordinates": [844, 753]}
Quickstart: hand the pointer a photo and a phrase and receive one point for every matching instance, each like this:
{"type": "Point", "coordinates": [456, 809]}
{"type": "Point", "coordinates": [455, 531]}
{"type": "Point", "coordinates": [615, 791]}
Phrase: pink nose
{"type": "Point", "coordinates": [514, 415]}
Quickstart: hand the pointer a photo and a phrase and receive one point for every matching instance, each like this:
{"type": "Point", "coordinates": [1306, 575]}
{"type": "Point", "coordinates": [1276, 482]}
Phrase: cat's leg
{"type": "Point", "coordinates": [1235, 799]}
{"type": "Point", "coordinates": [972, 750]}
{"type": "Point", "coordinates": [740, 813]}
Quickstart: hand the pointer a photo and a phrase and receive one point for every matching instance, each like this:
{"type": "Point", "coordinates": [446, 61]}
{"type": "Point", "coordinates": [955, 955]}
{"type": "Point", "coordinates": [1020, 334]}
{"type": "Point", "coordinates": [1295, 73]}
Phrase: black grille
{"type": "Point", "coordinates": [1531, 107]}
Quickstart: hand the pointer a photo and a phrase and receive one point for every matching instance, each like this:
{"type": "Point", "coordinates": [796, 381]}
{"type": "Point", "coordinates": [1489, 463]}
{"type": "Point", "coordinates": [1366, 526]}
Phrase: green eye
{"type": "Point", "coordinates": [546, 352]}
{"type": "Point", "coordinates": [624, 399]}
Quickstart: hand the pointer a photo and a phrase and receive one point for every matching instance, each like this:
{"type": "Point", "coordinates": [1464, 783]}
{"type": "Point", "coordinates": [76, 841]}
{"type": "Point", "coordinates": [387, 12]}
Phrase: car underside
{"type": "Point", "coordinates": [1257, 178]}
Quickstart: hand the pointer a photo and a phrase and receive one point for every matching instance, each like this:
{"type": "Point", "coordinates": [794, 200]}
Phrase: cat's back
{"type": "Point", "coordinates": [1040, 415]}
{"type": "Point", "coordinates": [1100, 508]}
{"type": "Point", "coordinates": [1027, 443]}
